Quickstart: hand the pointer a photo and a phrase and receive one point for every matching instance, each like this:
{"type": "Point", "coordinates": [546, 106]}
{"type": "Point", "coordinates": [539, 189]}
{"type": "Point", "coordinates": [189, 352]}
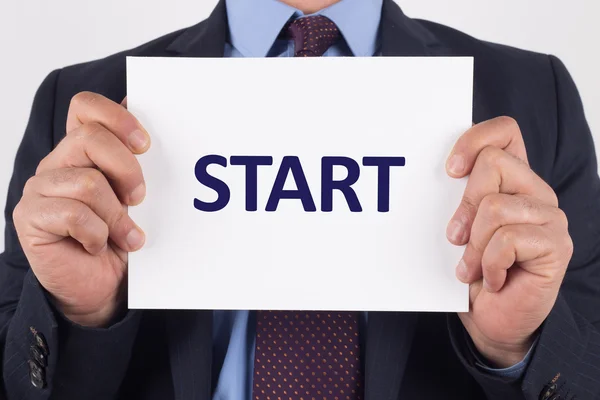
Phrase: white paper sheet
{"type": "Point", "coordinates": [310, 108]}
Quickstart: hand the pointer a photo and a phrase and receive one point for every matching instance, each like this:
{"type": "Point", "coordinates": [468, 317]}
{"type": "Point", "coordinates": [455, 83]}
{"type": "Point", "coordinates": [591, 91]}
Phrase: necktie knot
{"type": "Point", "coordinates": [312, 35]}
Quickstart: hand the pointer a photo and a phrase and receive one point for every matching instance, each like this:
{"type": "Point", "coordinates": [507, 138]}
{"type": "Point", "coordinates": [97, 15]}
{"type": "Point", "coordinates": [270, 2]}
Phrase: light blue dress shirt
{"type": "Point", "coordinates": [254, 29]}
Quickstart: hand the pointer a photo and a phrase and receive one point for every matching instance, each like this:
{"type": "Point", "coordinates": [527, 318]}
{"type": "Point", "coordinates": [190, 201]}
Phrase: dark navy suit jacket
{"type": "Point", "coordinates": [409, 356]}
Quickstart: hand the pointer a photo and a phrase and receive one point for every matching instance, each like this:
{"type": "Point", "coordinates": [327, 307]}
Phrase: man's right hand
{"type": "Point", "coordinates": [72, 219]}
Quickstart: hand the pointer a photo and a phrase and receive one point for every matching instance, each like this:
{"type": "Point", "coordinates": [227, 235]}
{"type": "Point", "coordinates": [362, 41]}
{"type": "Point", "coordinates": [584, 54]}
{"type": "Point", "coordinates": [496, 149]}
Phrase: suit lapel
{"type": "Point", "coordinates": [389, 337]}
{"type": "Point", "coordinates": [402, 36]}
{"type": "Point", "coordinates": [206, 39]}
{"type": "Point", "coordinates": [189, 336]}
{"type": "Point", "coordinates": [190, 332]}
{"type": "Point", "coordinates": [389, 334]}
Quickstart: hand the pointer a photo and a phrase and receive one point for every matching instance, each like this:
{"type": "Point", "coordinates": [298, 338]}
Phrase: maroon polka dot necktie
{"type": "Point", "coordinates": [307, 355]}
{"type": "Point", "coordinates": [312, 36]}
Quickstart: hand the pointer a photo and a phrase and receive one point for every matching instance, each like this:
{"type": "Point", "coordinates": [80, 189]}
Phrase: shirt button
{"type": "Point", "coordinates": [38, 355]}
{"type": "Point", "coordinates": [36, 375]}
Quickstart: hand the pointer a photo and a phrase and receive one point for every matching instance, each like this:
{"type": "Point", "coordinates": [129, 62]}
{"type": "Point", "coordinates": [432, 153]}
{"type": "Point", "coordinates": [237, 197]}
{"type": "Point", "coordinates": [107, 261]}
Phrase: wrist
{"type": "Point", "coordinates": [503, 355]}
{"type": "Point", "coordinates": [101, 317]}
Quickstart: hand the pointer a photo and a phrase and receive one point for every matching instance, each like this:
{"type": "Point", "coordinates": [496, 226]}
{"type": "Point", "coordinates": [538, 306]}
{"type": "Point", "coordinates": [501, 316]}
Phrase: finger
{"type": "Point", "coordinates": [515, 244]}
{"type": "Point", "coordinates": [90, 187]}
{"type": "Point", "coordinates": [89, 107]}
{"type": "Point", "coordinates": [92, 145]}
{"type": "Point", "coordinates": [502, 132]}
{"type": "Point", "coordinates": [124, 102]}
{"type": "Point", "coordinates": [496, 211]}
{"type": "Point", "coordinates": [495, 171]}
{"type": "Point", "coordinates": [61, 218]}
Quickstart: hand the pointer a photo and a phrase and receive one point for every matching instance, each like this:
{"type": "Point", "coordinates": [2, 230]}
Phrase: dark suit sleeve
{"type": "Point", "coordinates": [569, 343]}
{"type": "Point", "coordinates": [82, 363]}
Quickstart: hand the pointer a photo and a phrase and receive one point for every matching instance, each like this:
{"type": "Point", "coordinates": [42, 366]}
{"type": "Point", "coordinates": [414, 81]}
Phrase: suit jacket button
{"type": "Point", "coordinates": [41, 342]}
{"type": "Point", "coordinates": [38, 355]}
{"type": "Point", "coordinates": [37, 376]}
{"type": "Point", "coordinates": [548, 391]}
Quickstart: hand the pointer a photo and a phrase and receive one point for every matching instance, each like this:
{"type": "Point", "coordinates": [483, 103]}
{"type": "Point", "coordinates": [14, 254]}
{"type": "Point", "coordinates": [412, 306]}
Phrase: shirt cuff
{"type": "Point", "coordinates": [515, 372]}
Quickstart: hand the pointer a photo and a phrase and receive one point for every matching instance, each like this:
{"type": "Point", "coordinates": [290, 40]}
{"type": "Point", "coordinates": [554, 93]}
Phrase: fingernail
{"type": "Point", "coordinates": [455, 231]}
{"type": "Point", "coordinates": [456, 164]}
{"type": "Point", "coordinates": [461, 271]}
{"type": "Point", "coordinates": [137, 195]}
{"type": "Point", "coordinates": [138, 140]}
{"type": "Point", "coordinates": [135, 239]}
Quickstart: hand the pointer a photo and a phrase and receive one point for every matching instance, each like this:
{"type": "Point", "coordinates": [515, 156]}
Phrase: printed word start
{"type": "Point", "coordinates": [291, 165]}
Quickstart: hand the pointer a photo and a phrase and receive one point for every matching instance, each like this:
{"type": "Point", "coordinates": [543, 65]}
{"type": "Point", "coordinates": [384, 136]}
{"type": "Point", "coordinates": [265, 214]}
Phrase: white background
{"type": "Point", "coordinates": [37, 36]}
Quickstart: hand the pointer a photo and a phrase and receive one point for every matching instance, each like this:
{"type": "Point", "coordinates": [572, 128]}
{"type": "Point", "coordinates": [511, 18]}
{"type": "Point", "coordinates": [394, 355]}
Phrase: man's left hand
{"type": "Point", "coordinates": [517, 242]}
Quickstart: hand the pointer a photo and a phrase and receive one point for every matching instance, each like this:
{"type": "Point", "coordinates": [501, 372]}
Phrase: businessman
{"type": "Point", "coordinates": [530, 220]}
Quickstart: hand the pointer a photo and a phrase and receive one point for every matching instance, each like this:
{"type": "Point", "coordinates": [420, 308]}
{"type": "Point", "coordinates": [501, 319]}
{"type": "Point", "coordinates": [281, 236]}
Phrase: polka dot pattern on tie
{"type": "Point", "coordinates": [312, 35]}
{"type": "Point", "coordinates": [307, 355]}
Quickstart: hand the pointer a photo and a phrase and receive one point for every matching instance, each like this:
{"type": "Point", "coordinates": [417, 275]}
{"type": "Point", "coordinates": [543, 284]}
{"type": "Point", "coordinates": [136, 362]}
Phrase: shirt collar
{"type": "Point", "coordinates": [358, 20]}
{"type": "Point", "coordinates": [254, 25]}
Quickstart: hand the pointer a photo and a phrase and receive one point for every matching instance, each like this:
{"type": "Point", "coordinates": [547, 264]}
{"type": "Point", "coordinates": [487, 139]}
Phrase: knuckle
{"type": "Point", "coordinates": [21, 217]}
{"type": "Point", "coordinates": [552, 197]}
{"type": "Point", "coordinates": [508, 122]}
{"type": "Point", "coordinates": [562, 218]}
{"type": "Point", "coordinates": [90, 183]}
{"type": "Point", "coordinates": [505, 236]}
{"type": "Point", "coordinates": [84, 98]}
{"type": "Point", "coordinates": [490, 155]}
{"type": "Point", "coordinates": [537, 241]}
{"type": "Point", "coordinates": [469, 204]}
{"type": "Point", "coordinates": [477, 244]}
{"type": "Point", "coordinates": [120, 222]}
{"type": "Point", "coordinates": [546, 192]}
{"type": "Point", "coordinates": [60, 176]}
{"type": "Point", "coordinates": [528, 207]}
{"type": "Point", "coordinates": [19, 214]}
{"type": "Point", "coordinates": [85, 138]}
{"type": "Point", "coordinates": [492, 206]}
{"type": "Point", "coordinates": [30, 185]}
{"type": "Point", "coordinates": [89, 131]}
{"type": "Point", "coordinates": [77, 216]}
{"type": "Point", "coordinates": [42, 165]}
{"type": "Point", "coordinates": [568, 246]}
{"type": "Point", "coordinates": [489, 265]}
{"type": "Point", "coordinates": [519, 161]}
